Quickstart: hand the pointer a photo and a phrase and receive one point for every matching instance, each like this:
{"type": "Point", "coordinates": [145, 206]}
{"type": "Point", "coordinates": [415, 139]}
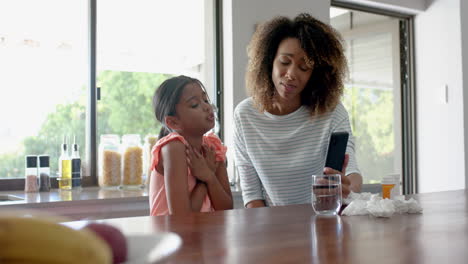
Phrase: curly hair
{"type": "Point", "coordinates": [323, 46]}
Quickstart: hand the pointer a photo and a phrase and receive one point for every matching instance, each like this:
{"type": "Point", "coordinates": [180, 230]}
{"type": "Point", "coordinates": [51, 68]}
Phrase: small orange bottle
{"type": "Point", "coordinates": [387, 190]}
{"type": "Point", "coordinates": [389, 186]}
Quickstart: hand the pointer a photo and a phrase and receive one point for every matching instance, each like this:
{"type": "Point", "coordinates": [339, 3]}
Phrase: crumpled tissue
{"type": "Point", "coordinates": [373, 204]}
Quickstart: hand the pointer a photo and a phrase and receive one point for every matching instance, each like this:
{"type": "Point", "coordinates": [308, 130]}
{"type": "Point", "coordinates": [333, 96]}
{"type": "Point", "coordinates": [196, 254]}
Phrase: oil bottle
{"type": "Point", "coordinates": [65, 167]}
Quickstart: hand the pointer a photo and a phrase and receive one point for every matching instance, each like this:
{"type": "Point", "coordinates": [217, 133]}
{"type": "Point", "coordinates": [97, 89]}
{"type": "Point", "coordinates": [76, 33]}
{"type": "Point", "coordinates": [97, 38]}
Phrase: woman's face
{"type": "Point", "coordinates": [194, 110]}
{"type": "Point", "coordinates": [291, 70]}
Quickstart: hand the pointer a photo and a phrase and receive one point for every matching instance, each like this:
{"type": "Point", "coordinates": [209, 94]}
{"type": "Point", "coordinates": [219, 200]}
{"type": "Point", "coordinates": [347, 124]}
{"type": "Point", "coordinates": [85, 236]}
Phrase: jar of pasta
{"type": "Point", "coordinates": [132, 161]}
{"type": "Point", "coordinates": [150, 141]}
{"type": "Point", "coordinates": [110, 161]}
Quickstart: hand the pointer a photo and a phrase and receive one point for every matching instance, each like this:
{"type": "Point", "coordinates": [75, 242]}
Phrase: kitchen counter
{"type": "Point", "coordinates": [89, 202]}
{"type": "Point", "coordinates": [295, 234]}
{"type": "Point", "coordinates": [84, 203]}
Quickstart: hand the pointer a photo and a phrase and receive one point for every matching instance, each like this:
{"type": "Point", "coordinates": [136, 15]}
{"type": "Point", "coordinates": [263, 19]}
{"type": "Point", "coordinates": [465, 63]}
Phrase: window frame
{"type": "Point", "coordinates": [89, 176]}
{"type": "Point", "coordinates": [407, 91]}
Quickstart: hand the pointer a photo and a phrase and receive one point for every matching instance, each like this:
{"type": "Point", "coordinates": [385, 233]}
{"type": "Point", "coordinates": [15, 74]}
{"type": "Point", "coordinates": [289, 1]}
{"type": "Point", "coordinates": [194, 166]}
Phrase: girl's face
{"type": "Point", "coordinates": [194, 111]}
{"type": "Point", "coordinates": [291, 70]}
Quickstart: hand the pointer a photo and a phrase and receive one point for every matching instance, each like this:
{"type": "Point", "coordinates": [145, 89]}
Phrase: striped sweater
{"type": "Point", "coordinates": [275, 156]}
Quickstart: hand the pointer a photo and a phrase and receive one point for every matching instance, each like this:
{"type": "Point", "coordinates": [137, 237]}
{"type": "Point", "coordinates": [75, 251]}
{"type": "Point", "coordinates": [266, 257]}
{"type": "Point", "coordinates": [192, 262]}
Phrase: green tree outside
{"type": "Point", "coordinates": [371, 118]}
{"type": "Point", "coordinates": [126, 102]}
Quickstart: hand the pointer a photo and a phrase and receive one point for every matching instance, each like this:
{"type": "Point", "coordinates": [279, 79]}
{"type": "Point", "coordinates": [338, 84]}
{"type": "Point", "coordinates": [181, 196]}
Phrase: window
{"type": "Point", "coordinates": [373, 90]}
{"type": "Point", "coordinates": [44, 72]}
{"type": "Point", "coordinates": [135, 55]}
{"type": "Point", "coordinates": [45, 69]}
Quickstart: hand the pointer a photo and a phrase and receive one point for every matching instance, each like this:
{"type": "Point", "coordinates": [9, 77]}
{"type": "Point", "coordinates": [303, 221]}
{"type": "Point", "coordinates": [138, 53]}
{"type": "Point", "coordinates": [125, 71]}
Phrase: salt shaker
{"type": "Point", "coordinates": [31, 181]}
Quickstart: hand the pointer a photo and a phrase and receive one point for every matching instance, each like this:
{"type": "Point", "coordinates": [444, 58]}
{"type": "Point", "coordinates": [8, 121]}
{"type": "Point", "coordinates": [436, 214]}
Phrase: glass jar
{"type": "Point", "coordinates": [132, 161]}
{"type": "Point", "coordinates": [110, 161]}
{"type": "Point", "coordinates": [150, 141]}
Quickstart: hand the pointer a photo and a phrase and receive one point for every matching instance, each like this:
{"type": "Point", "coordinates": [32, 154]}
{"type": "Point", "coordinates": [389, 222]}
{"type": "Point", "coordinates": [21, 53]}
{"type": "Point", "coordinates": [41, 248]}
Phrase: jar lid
{"type": "Point", "coordinates": [44, 161]}
{"type": "Point", "coordinates": [113, 136]}
{"type": "Point", "coordinates": [131, 138]}
{"type": "Point", "coordinates": [150, 137]}
{"type": "Point", "coordinates": [31, 161]}
{"type": "Point", "coordinates": [110, 138]}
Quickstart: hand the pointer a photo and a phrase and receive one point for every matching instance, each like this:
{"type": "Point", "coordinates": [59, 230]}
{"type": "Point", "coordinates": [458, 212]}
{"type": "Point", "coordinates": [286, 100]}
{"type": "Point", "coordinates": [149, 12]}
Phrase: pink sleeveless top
{"type": "Point", "coordinates": [157, 189]}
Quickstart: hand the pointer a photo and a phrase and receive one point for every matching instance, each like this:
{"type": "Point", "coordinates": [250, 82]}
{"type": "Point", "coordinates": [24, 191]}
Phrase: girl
{"type": "Point", "coordinates": [188, 167]}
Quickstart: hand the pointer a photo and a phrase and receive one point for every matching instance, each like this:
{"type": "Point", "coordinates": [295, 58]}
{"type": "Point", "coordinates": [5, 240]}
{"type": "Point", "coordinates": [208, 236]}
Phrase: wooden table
{"type": "Point", "coordinates": [294, 234]}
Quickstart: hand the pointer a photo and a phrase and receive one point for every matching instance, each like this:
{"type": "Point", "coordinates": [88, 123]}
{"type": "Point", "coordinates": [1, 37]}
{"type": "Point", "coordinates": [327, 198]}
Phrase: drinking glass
{"type": "Point", "coordinates": [326, 194]}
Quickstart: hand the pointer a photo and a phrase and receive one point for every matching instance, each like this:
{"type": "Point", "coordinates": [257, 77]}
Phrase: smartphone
{"type": "Point", "coordinates": [336, 150]}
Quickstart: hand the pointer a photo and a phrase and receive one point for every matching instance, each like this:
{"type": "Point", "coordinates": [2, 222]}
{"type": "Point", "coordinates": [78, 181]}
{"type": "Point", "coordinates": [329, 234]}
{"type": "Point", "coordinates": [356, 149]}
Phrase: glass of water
{"type": "Point", "coordinates": [326, 194]}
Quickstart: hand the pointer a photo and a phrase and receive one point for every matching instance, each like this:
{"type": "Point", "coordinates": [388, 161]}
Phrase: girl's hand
{"type": "Point", "coordinates": [345, 182]}
{"type": "Point", "coordinates": [210, 157]}
{"type": "Point", "coordinates": [198, 165]}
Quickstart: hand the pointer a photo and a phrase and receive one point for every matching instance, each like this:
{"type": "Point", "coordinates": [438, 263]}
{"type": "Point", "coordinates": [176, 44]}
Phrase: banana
{"type": "Point", "coordinates": [38, 240]}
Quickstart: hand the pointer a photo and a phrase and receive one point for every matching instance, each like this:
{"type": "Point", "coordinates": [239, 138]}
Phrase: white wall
{"type": "Point", "coordinates": [239, 19]}
{"type": "Point", "coordinates": [464, 51]}
{"type": "Point", "coordinates": [440, 124]}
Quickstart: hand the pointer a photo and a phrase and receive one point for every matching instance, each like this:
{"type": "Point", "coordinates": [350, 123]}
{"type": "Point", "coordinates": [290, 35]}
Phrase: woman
{"type": "Point", "coordinates": [295, 79]}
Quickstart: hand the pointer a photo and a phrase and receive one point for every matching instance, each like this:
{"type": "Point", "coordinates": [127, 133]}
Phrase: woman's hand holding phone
{"type": "Point", "coordinates": [345, 182]}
